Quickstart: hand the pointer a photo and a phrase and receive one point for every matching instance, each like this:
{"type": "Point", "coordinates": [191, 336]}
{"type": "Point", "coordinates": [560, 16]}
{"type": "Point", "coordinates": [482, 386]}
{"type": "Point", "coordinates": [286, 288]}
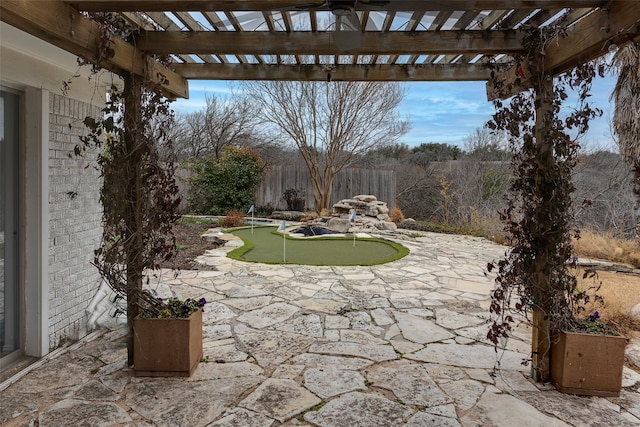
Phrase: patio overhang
{"type": "Point", "coordinates": [410, 40]}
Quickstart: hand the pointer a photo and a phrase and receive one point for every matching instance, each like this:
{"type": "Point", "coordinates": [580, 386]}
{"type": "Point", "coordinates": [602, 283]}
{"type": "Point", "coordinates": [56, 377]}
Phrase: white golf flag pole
{"type": "Point", "coordinates": [282, 228]}
{"type": "Point", "coordinates": [352, 217]}
{"type": "Point", "coordinates": [252, 209]}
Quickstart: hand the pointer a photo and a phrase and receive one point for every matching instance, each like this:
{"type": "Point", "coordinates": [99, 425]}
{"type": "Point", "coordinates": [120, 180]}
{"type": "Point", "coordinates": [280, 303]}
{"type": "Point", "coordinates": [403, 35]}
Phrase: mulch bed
{"type": "Point", "coordinates": [190, 244]}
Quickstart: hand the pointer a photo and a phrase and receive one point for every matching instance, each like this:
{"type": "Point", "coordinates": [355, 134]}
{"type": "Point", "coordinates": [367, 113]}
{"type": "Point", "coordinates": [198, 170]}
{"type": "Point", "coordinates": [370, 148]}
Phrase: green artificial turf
{"type": "Point", "coordinates": [266, 245]}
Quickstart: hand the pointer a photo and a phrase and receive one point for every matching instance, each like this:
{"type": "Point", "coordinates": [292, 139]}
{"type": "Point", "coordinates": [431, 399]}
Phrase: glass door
{"type": "Point", "coordinates": [9, 288]}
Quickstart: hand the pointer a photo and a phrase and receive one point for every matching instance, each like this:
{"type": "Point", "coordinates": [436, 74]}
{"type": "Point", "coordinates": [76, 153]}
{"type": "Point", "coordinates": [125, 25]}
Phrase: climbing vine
{"type": "Point", "coordinates": [536, 272]}
{"type": "Point", "coordinates": [139, 193]}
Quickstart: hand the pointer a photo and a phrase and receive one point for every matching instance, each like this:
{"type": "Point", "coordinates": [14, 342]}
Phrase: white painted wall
{"type": "Point", "coordinates": [28, 61]}
{"type": "Point", "coordinates": [58, 234]}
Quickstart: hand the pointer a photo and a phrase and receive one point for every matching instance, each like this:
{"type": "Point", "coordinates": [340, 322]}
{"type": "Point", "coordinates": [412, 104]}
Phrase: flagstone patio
{"type": "Point", "coordinates": [399, 344]}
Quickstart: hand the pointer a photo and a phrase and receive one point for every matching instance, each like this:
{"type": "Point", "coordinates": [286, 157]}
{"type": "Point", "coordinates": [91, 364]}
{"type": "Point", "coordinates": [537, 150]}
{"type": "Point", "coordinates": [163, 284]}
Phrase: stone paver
{"type": "Point", "coordinates": [420, 330]}
{"type": "Point", "coordinates": [422, 419]}
{"type": "Point", "coordinates": [280, 399]}
{"type": "Point", "coordinates": [332, 382]}
{"type": "Point", "coordinates": [409, 382]}
{"type": "Point", "coordinates": [398, 344]}
{"type": "Point", "coordinates": [360, 409]}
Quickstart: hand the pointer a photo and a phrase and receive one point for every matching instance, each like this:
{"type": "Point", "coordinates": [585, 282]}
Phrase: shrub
{"type": "Point", "coordinates": [233, 219]}
{"type": "Point", "coordinates": [221, 185]}
{"type": "Point", "coordinates": [295, 199]}
{"type": "Point", "coordinates": [264, 211]}
{"type": "Point", "coordinates": [310, 215]}
{"type": "Point", "coordinates": [396, 215]}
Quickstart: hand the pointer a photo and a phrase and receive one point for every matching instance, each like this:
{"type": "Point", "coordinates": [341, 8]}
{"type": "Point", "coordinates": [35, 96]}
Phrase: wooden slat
{"type": "Point", "coordinates": [364, 18]}
{"type": "Point", "coordinates": [460, 24]}
{"type": "Point", "coordinates": [339, 72]}
{"type": "Point", "coordinates": [440, 20]}
{"type": "Point", "coordinates": [413, 23]}
{"type": "Point", "coordinates": [193, 25]}
{"type": "Point", "coordinates": [388, 20]}
{"type": "Point", "coordinates": [259, 5]}
{"type": "Point", "coordinates": [236, 26]}
{"type": "Point", "coordinates": [515, 18]}
{"type": "Point", "coordinates": [288, 23]}
{"type": "Point", "coordinates": [464, 21]}
{"type": "Point", "coordinates": [347, 183]}
{"type": "Point", "coordinates": [215, 21]}
{"type": "Point", "coordinates": [491, 19]}
{"type": "Point", "coordinates": [586, 40]}
{"type": "Point", "coordinates": [540, 17]}
{"type": "Point", "coordinates": [165, 23]}
{"type": "Point", "coordinates": [574, 15]}
{"type": "Point", "coordinates": [313, 19]}
{"type": "Point", "coordinates": [64, 27]}
{"type": "Point", "coordinates": [217, 25]}
{"type": "Point", "coordinates": [134, 18]}
{"type": "Point", "coordinates": [307, 43]}
{"type": "Point", "coordinates": [268, 18]}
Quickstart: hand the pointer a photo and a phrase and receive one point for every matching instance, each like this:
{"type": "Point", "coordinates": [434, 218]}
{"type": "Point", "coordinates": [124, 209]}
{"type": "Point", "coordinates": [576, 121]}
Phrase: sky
{"type": "Point", "coordinates": [442, 112]}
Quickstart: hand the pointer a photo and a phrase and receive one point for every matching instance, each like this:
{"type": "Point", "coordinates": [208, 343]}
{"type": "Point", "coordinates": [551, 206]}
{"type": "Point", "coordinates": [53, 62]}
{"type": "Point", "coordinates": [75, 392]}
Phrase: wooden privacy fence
{"type": "Point", "coordinates": [346, 184]}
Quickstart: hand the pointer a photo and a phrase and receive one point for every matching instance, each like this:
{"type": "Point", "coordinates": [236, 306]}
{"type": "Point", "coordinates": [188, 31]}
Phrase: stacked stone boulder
{"type": "Point", "coordinates": [372, 215]}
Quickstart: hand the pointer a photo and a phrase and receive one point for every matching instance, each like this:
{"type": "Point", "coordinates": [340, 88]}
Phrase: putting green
{"type": "Point", "coordinates": [268, 246]}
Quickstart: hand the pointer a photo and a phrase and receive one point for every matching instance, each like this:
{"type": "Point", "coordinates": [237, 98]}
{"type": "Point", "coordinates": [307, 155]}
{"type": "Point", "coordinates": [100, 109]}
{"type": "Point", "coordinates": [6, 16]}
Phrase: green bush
{"type": "Point", "coordinates": [222, 185]}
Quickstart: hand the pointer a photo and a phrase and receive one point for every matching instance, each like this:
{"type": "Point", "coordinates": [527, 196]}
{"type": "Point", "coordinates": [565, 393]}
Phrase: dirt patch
{"type": "Point", "coordinates": [190, 244]}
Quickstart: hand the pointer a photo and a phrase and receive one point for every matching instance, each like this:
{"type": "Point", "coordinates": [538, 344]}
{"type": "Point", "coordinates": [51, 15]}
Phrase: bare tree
{"type": "Point", "coordinates": [486, 145]}
{"type": "Point", "coordinates": [330, 122]}
{"type": "Point", "coordinates": [601, 179]}
{"type": "Point", "coordinates": [626, 116]}
{"type": "Point", "coordinates": [222, 122]}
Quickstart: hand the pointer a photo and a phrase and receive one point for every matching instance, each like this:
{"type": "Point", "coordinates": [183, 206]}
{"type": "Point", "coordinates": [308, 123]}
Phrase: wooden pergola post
{"type": "Point", "coordinates": [133, 214]}
{"type": "Point", "coordinates": [540, 338]}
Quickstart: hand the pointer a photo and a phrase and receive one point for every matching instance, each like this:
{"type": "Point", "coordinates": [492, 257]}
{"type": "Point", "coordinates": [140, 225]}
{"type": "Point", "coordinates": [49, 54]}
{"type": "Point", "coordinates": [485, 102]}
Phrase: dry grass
{"type": "Point", "coordinates": [396, 215]}
{"type": "Point", "coordinates": [603, 245]}
{"type": "Point", "coordinates": [310, 215]}
{"type": "Point", "coordinates": [620, 292]}
{"type": "Point", "coordinates": [233, 219]}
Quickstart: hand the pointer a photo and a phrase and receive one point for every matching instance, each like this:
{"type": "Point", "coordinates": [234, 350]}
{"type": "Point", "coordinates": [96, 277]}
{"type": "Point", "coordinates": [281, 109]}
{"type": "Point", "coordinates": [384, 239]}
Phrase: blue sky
{"type": "Point", "coordinates": [446, 112]}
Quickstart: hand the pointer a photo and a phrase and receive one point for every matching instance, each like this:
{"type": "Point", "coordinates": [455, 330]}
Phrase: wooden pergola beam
{"type": "Point", "coordinates": [321, 43]}
{"type": "Point", "coordinates": [265, 5]}
{"type": "Point", "coordinates": [61, 25]}
{"type": "Point", "coordinates": [351, 72]}
{"type": "Point", "coordinates": [588, 39]}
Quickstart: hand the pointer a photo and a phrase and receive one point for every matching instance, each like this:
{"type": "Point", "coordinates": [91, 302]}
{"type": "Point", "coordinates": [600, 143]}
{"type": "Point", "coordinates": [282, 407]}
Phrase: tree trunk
{"type": "Point", "coordinates": [326, 189]}
{"type": "Point", "coordinates": [133, 218]}
{"type": "Point", "coordinates": [317, 194]}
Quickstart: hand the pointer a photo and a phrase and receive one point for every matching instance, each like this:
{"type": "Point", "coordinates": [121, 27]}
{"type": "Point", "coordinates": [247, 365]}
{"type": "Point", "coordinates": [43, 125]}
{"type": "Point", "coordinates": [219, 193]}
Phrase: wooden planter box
{"type": "Point", "coordinates": [167, 347]}
{"type": "Point", "coordinates": [587, 364]}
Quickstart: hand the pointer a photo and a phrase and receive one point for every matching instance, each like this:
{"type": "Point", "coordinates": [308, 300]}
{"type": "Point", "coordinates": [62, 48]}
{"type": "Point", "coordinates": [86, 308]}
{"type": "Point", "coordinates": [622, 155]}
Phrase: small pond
{"type": "Point", "coordinates": [313, 230]}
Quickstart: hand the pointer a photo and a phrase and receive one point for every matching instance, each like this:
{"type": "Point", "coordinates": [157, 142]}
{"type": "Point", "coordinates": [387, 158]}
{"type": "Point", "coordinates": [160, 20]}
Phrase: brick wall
{"type": "Point", "coordinates": [74, 227]}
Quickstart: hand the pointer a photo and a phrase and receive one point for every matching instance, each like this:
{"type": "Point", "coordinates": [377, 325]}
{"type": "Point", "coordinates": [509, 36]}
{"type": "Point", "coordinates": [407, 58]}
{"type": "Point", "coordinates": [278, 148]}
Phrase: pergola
{"type": "Point", "coordinates": [398, 40]}
{"type": "Point", "coordinates": [339, 40]}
